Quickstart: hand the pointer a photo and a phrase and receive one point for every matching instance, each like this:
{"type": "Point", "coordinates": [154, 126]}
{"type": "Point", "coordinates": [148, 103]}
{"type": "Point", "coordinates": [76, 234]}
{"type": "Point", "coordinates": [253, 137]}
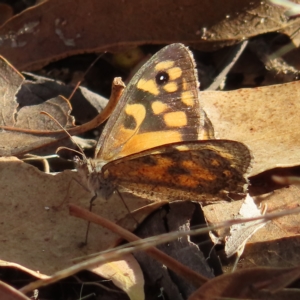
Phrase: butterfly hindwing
{"type": "Point", "coordinates": [205, 171]}
{"type": "Point", "coordinates": [159, 105]}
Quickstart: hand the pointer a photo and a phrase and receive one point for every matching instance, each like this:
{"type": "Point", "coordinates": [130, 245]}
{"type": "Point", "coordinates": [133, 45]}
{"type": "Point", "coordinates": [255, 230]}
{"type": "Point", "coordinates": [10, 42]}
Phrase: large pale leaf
{"type": "Point", "coordinates": [34, 215]}
{"type": "Point", "coordinates": [266, 119]}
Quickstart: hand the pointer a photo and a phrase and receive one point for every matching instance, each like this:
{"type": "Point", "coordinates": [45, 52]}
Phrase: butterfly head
{"type": "Point", "coordinates": [91, 177]}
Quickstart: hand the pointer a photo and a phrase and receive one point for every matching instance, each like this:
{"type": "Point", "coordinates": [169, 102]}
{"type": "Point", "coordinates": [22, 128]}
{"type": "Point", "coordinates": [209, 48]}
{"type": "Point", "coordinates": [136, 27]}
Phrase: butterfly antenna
{"type": "Point", "coordinates": [82, 77]}
{"type": "Point", "coordinates": [75, 143]}
{"type": "Point", "coordinates": [69, 149]}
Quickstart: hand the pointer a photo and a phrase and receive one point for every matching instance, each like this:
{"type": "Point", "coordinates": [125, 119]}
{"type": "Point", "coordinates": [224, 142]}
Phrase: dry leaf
{"type": "Point", "coordinates": [10, 83]}
{"type": "Point", "coordinates": [37, 89]}
{"type": "Point", "coordinates": [34, 214]}
{"type": "Point", "coordinates": [245, 284]}
{"type": "Point", "coordinates": [27, 117]}
{"type": "Point", "coordinates": [64, 32]}
{"type": "Point", "coordinates": [125, 274]}
{"type": "Point", "coordinates": [6, 12]}
{"type": "Point", "coordinates": [268, 246]}
{"type": "Point", "coordinates": [7, 292]}
{"type": "Point", "coordinates": [30, 130]}
{"type": "Point", "coordinates": [240, 233]}
{"type": "Point", "coordinates": [30, 117]}
{"type": "Point", "coordinates": [258, 118]}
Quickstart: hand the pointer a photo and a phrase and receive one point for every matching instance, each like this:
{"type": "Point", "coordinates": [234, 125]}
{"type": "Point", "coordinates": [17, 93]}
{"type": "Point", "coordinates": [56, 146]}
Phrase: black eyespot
{"type": "Point", "coordinates": [162, 78]}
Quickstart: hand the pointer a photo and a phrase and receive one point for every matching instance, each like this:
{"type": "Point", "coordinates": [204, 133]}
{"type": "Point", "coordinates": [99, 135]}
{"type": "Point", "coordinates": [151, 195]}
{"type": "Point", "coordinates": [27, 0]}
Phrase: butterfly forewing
{"type": "Point", "coordinates": [201, 171]}
{"type": "Point", "coordinates": [159, 105]}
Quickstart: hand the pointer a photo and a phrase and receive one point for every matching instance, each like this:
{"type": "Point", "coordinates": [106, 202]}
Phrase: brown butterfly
{"type": "Point", "coordinates": [158, 142]}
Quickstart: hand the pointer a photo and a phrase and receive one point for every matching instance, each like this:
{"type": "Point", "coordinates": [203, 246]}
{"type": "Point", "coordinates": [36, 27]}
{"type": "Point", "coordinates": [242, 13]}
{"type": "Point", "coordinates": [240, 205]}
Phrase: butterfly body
{"type": "Point", "coordinates": [155, 144]}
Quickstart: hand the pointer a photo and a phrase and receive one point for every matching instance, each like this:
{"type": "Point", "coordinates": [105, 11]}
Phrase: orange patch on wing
{"type": "Point", "coordinates": [158, 107]}
{"type": "Point", "coordinates": [171, 87]}
{"type": "Point", "coordinates": [137, 111]}
{"type": "Point", "coordinates": [187, 98]}
{"type": "Point", "coordinates": [123, 135]}
{"type": "Point", "coordinates": [149, 140]}
{"type": "Point", "coordinates": [198, 171]}
{"type": "Point", "coordinates": [187, 181]}
{"type": "Point", "coordinates": [227, 173]}
{"type": "Point", "coordinates": [121, 138]}
{"type": "Point", "coordinates": [215, 163]}
{"type": "Point", "coordinates": [154, 173]}
{"type": "Point", "coordinates": [164, 65]}
{"type": "Point", "coordinates": [204, 134]}
{"type": "Point", "coordinates": [148, 86]}
{"type": "Point", "coordinates": [175, 119]}
{"type": "Point", "coordinates": [174, 73]}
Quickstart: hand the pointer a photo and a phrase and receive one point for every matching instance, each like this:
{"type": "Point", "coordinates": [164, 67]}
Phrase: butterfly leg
{"type": "Point", "coordinates": [121, 197]}
{"type": "Point", "coordinates": [89, 223]}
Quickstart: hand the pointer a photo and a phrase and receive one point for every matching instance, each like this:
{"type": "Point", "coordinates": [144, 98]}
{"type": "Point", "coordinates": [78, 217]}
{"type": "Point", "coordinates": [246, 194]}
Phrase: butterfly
{"type": "Point", "coordinates": [158, 142]}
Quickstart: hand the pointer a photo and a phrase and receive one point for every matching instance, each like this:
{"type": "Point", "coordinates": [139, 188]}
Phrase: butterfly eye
{"type": "Point", "coordinates": [162, 78]}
